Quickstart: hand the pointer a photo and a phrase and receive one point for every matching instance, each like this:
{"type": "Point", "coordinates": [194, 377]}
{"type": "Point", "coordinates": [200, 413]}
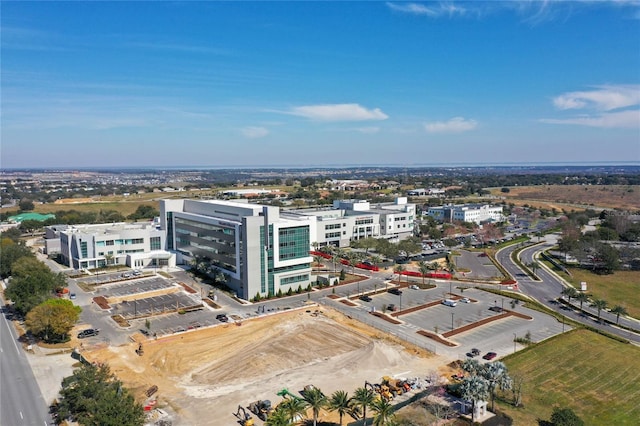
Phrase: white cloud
{"type": "Point", "coordinates": [253, 132]}
{"type": "Point", "coordinates": [338, 112]}
{"type": "Point", "coordinates": [454, 125]}
{"type": "Point", "coordinates": [603, 98]}
{"type": "Point", "coordinates": [438, 9]}
{"type": "Point", "coordinates": [368, 130]}
{"type": "Point", "coordinates": [618, 119]}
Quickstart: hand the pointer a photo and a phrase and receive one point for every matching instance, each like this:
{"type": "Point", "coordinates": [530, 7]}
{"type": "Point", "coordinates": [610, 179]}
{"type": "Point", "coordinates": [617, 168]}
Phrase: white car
{"type": "Point", "coordinates": [414, 287]}
{"type": "Point", "coordinates": [465, 300]}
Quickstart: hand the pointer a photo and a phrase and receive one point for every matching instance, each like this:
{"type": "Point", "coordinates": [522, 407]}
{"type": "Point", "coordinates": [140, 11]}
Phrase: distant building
{"type": "Point", "coordinates": [475, 213]}
{"type": "Point", "coordinates": [258, 249]}
{"type": "Point", "coordinates": [422, 192]}
{"type": "Point", "coordinates": [350, 220]}
{"type": "Point", "coordinates": [136, 245]}
{"type": "Point", "coordinates": [251, 193]}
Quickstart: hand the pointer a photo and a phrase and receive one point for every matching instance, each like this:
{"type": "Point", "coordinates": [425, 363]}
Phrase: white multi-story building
{"type": "Point", "coordinates": [475, 213]}
{"type": "Point", "coordinates": [136, 245]}
{"type": "Point", "coordinates": [259, 250]}
{"type": "Point", "coordinates": [350, 220]}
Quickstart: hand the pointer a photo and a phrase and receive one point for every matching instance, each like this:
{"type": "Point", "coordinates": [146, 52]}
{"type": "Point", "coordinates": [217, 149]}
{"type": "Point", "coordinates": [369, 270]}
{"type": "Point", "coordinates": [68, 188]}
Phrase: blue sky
{"type": "Point", "coordinates": [199, 84]}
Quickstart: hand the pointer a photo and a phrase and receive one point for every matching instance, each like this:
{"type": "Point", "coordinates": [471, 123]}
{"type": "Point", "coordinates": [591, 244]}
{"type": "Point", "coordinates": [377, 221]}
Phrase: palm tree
{"type": "Point", "coordinates": [471, 366]}
{"type": "Point", "coordinates": [496, 374]}
{"type": "Point", "coordinates": [364, 398]}
{"type": "Point", "coordinates": [474, 389]}
{"type": "Point", "coordinates": [599, 304]}
{"type": "Point", "coordinates": [341, 403]}
{"type": "Point", "coordinates": [376, 260]}
{"type": "Point", "coordinates": [295, 408]}
{"type": "Point", "coordinates": [384, 412]}
{"type": "Point", "coordinates": [398, 269]}
{"type": "Point", "coordinates": [618, 310]}
{"type": "Point", "coordinates": [582, 297]}
{"type": "Point", "coordinates": [569, 292]}
{"type": "Point", "coordinates": [534, 266]}
{"type": "Point", "coordinates": [315, 400]}
{"type": "Point", "coordinates": [317, 259]}
{"type": "Point", "coordinates": [424, 269]}
{"type": "Point", "coordinates": [278, 417]}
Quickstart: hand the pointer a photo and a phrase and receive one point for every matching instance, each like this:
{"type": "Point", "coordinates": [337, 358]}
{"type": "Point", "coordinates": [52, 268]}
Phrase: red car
{"type": "Point", "coordinates": [490, 355]}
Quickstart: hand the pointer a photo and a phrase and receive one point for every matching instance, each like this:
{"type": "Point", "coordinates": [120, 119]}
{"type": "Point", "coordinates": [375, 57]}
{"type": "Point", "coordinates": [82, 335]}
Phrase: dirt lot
{"type": "Point", "coordinates": [204, 375]}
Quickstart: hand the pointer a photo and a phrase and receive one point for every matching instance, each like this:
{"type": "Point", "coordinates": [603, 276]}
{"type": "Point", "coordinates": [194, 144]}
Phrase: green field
{"type": "Point", "coordinates": [597, 377]}
{"type": "Point", "coordinates": [620, 288]}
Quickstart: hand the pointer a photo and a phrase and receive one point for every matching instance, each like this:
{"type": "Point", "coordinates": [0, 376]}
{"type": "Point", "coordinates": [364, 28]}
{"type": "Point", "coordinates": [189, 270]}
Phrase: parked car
{"type": "Point", "coordinates": [391, 307]}
{"type": "Point", "coordinates": [365, 298]}
{"type": "Point", "coordinates": [474, 352]}
{"type": "Point", "coordinates": [395, 291]}
{"type": "Point", "coordinates": [490, 355]}
{"type": "Point", "coordinates": [414, 287]}
{"type": "Point", "coordinates": [222, 318]}
{"type": "Point", "coordinates": [72, 295]}
{"type": "Point", "coordinates": [88, 333]}
{"type": "Point", "coordinates": [465, 300]}
{"type": "Point", "coordinates": [495, 309]}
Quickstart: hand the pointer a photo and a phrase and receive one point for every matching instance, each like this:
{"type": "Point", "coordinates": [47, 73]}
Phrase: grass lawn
{"type": "Point", "coordinates": [620, 288]}
{"type": "Point", "coordinates": [597, 377]}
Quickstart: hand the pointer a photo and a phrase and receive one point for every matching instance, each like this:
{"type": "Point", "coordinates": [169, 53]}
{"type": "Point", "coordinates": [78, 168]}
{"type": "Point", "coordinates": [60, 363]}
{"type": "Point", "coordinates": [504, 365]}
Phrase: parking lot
{"type": "Point", "coordinates": [131, 287]}
{"type": "Point", "coordinates": [156, 305]}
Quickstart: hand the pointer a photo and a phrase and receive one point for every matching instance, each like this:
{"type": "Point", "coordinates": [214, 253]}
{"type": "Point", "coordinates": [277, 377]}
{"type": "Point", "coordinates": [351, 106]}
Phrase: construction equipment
{"type": "Point", "coordinates": [308, 388]}
{"type": "Point", "coordinates": [140, 350]}
{"type": "Point", "coordinates": [261, 408]}
{"type": "Point", "coordinates": [286, 394]}
{"type": "Point", "coordinates": [381, 391]}
{"type": "Point", "coordinates": [393, 385]}
{"type": "Point", "coordinates": [244, 418]}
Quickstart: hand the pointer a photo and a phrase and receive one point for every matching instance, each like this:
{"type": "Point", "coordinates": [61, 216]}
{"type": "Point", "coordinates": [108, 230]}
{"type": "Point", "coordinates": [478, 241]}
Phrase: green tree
{"type": "Point", "coordinates": [399, 269]}
{"type": "Point", "coordinates": [144, 212]}
{"type": "Point", "coordinates": [341, 403]}
{"type": "Point", "coordinates": [384, 412]}
{"type": "Point", "coordinates": [599, 304]}
{"type": "Point", "coordinates": [26, 205]}
{"type": "Point", "coordinates": [295, 408]}
{"type": "Point", "coordinates": [569, 292]}
{"type": "Point", "coordinates": [424, 269]}
{"type": "Point", "coordinates": [32, 283]}
{"type": "Point", "coordinates": [474, 389]}
{"type": "Point", "coordinates": [582, 297]}
{"type": "Point", "coordinates": [618, 310]}
{"type": "Point", "coordinates": [565, 417]}
{"type": "Point", "coordinates": [10, 252]}
{"type": "Point", "coordinates": [92, 396]}
{"type": "Point", "coordinates": [278, 417]}
{"type": "Point", "coordinates": [316, 400]}
{"type": "Point", "coordinates": [497, 376]}
{"type": "Point", "coordinates": [364, 397]}
{"type": "Point", "coordinates": [534, 266]}
{"type": "Point", "coordinates": [53, 319]}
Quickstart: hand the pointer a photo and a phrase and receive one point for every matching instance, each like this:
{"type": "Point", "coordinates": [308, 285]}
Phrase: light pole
{"type": "Point", "coordinates": [451, 321]}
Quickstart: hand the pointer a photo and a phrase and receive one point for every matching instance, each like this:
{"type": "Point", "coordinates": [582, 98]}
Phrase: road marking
{"type": "Point", "coordinates": [12, 339]}
{"type": "Point", "coordinates": [21, 415]}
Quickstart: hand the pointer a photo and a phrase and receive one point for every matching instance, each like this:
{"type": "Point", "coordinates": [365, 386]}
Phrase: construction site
{"type": "Point", "coordinates": [207, 375]}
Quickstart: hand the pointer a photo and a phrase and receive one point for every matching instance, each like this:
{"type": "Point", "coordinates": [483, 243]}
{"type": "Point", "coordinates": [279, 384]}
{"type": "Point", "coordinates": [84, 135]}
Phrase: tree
{"type": "Point", "coordinates": [340, 402]}
{"type": "Point", "coordinates": [32, 283]}
{"type": "Point", "coordinates": [474, 389]}
{"type": "Point", "coordinates": [10, 252]}
{"type": "Point", "coordinates": [295, 408]}
{"type": "Point", "coordinates": [582, 297]}
{"type": "Point", "coordinates": [471, 366]}
{"type": "Point", "coordinates": [364, 398]}
{"type": "Point", "coordinates": [618, 310]}
{"type": "Point", "coordinates": [278, 417]}
{"type": "Point", "coordinates": [569, 292]}
{"type": "Point", "coordinates": [144, 212]}
{"type": "Point", "coordinates": [534, 266]}
{"type": "Point", "coordinates": [399, 269]}
{"type": "Point", "coordinates": [92, 396]}
{"type": "Point", "coordinates": [497, 376]}
{"type": "Point", "coordinates": [384, 411]}
{"type": "Point", "coordinates": [53, 319]}
{"type": "Point", "coordinates": [599, 304]}
{"type": "Point", "coordinates": [26, 205]}
{"type": "Point", "coordinates": [316, 400]}
{"type": "Point", "coordinates": [424, 269]}
{"type": "Point", "coordinates": [565, 417]}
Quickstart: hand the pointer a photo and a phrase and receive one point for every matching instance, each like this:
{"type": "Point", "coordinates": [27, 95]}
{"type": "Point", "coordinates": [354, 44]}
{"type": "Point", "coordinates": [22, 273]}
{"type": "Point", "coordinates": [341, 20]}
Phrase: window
{"type": "Point", "coordinates": [83, 249]}
{"type": "Point", "coordinates": [109, 242]}
{"type": "Point", "coordinates": [155, 243]}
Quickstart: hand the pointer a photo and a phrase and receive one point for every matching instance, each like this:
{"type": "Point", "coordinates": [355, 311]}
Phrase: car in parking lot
{"type": "Point", "coordinates": [395, 291]}
{"type": "Point", "coordinates": [72, 295]}
{"type": "Point", "coordinates": [495, 309]}
{"type": "Point", "coordinates": [473, 353]}
{"type": "Point", "coordinates": [391, 307]}
{"type": "Point", "coordinates": [222, 318]}
{"type": "Point", "coordinates": [88, 333]}
{"type": "Point", "coordinates": [366, 298]}
{"type": "Point", "coordinates": [489, 356]}
{"type": "Point", "coordinates": [414, 287]}
{"type": "Point", "coordinates": [465, 300]}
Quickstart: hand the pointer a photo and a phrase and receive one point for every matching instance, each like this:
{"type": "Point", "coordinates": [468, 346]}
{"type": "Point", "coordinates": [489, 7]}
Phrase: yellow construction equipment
{"type": "Point", "coordinates": [244, 418]}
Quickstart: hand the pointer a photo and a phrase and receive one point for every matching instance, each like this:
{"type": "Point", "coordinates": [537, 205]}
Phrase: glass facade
{"type": "Point", "coordinates": [213, 242]}
{"type": "Point", "coordinates": [155, 243]}
{"type": "Point", "coordinates": [293, 243]}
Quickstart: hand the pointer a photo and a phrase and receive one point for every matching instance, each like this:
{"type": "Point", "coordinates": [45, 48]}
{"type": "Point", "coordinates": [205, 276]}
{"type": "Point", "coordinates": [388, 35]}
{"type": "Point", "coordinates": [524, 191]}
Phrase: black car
{"type": "Point", "coordinates": [495, 309]}
{"type": "Point", "coordinates": [395, 291]}
{"type": "Point", "coordinates": [473, 352]}
{"type": "Point", "coordinates": [222, 318]}
{"type": "Point", "coordinates": [88, 333]}
{"type": "Point", "coordinates": [365, 298]}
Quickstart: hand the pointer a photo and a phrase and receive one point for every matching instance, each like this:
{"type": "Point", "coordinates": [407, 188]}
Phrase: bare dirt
{"type": "Point", "coordinates": [204, 375]}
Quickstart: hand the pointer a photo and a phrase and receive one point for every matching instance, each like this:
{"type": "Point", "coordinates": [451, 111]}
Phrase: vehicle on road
{"type": "Point", "coordinates": [395, 291]}
{"type": "Point", "coordinates": [72, 295]}
{"type": "Point", "coordinates": [490, 355]}
{"type": "Point", "coordinates": [88, 333]}
{"type": "Point", "coordinates": [366, 298]}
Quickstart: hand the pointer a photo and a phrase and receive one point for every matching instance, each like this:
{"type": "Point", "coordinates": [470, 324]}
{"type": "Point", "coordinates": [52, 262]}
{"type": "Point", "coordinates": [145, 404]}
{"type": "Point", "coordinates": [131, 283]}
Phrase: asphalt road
{"type": "Point", "coordinates": [549, 288]}
{"type": "Point", "coordinates": [21, 402]}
